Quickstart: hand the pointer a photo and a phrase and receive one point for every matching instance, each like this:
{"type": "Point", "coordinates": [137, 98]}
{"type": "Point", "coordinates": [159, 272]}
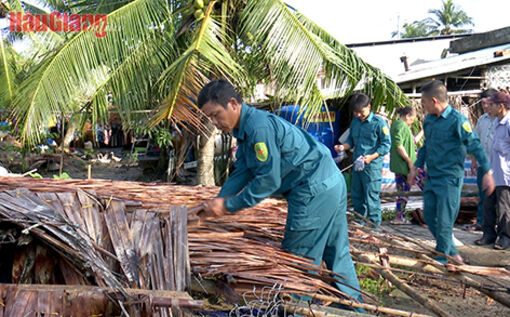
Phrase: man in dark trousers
{"type": "Point", "coordinates": [369, 137]}
{"type": "Point", "coordinates": [448, 136]}
{"type": "Point", "coordinates": [496, 216]}
{"type": "Point", "coordinates": [276, 157]}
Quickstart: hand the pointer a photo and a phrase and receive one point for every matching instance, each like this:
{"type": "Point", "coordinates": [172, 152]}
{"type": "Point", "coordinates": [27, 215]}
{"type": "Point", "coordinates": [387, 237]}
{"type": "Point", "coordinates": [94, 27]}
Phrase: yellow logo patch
{"type": "Point", "coordinates": [385, 130]}
{"type": "Point", "coordinates": [466, 126]}
{"type": "Point", "coordinates": [261, 151]}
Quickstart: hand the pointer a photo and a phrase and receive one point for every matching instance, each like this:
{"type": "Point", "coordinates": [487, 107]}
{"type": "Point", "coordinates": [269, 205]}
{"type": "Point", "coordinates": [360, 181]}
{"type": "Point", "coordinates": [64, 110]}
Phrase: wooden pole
{"type": "Point", "coordinates": [497, 296]}
{"type": "Point", "coordinates": [374, 308]}
{"type": "Point", "coordinates": [61, 147]}
{"type": "Point", "coordinates": [401, 285]}
{"type": "Point", "coordinates": [209, 287]}
{"type": "Point", "coordinates": [89, 171]}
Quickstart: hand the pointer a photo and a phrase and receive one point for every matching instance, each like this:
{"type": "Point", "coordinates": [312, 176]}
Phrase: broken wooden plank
{"type": "Point", "coordinates": [39, 298]}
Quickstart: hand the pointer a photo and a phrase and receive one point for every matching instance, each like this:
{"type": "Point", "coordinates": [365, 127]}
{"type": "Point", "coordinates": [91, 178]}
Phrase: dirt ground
{"type": "Point", "coordinates": [451, 295]}
{"type": "Point", "coordinates": [124, 168]}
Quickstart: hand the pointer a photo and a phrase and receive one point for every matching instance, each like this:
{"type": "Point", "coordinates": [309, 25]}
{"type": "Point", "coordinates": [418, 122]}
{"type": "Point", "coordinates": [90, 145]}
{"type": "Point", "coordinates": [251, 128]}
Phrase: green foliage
{"type": "Point", "coordinates": [90, 152]}
{"type": "Point", "coordinates": [35, 175]}
{"type": "Point", "coordinates": [159, 134]}
{"type": "Point", "coordinates": [388, 214]}
{"type": "Point", "coordinates": [64, 175]}
{"type": "Point", "coordinates": [157, 54]}
{"type": "Point", "coordinates": [449, 19]}
{"type": "Point", "coordinates": [420, 28]}
{"type": "Point", "coordinates": [367, 283]}
{"type": "Point", "coordinates": [162, 137]}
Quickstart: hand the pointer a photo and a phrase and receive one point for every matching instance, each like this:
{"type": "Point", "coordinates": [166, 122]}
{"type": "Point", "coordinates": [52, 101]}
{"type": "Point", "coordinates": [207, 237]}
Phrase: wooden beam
{"type": "Point", "coordinates": [162, 298]}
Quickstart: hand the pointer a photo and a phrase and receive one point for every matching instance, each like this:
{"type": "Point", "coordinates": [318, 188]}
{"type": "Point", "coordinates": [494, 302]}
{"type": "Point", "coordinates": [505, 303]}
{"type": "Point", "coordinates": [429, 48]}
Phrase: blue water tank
{"type": "Point", "coordinates": [319, 126]}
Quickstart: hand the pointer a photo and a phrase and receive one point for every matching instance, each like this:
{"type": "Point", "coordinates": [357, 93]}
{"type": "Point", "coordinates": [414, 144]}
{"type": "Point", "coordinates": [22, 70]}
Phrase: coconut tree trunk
{"type": "Point", "coordinates": [205, 169]}
{"type": "Point", "coordinates": [70, 129]}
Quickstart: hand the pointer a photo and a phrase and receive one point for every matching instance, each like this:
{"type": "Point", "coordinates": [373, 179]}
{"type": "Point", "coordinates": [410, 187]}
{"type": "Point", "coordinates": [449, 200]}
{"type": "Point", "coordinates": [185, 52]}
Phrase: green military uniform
{"type": "Point", "coordinates": [368, 137]}
{"type": "Point", "coordinates": [447, 139]}
{"type": "Point", "coordinates": [276, 157]}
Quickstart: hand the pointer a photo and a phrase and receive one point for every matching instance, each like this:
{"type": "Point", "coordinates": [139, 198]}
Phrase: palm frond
{"type": "Point", "coordinates": [48, 39]}
{"type": "Point", "coordinates": [126, 88]}
{"type": "Point", "coordinates": [290, 50]}
{"type": "Point", "coordinates": [297, 49]}
{"type": "Point", "coordinates": [49, 90]}
{"type": "Point", "coordinates": [7, 74]}
{"type": "Point", "coordinates": [206, 57]}
{"type": "Point", "coordinates": [345, 72]}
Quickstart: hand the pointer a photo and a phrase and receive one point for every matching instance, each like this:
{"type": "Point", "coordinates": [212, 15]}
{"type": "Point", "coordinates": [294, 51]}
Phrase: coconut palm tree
{"type": "Point", "coordinates": [420, 28]}
{"type": "Point", "coordinates": [449, 19]}
{"type": "Point", "coordinates": [157, 54]}
{"type": "Point", "coordinates": [8, 71]}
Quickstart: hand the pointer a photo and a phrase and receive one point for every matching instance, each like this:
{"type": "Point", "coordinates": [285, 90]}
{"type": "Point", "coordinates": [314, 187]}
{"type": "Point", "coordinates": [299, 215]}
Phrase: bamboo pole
{"type": "Point", "coordinates": [409, 272]}
{"type": "Point", "coordinates": [370, 307]}
{"type": "Point", "coordinates": [209, 287]}
{"type": "Point", "coordinates": [386, 244]}
{"type": "Point", "coordinates": [400, 260]}
{"type": "Point", "coordinates": [497, 296]}
{"type": "Point", "coordinates": [417, 296]}
{"type": "Point", "coordinates": [317, 311]}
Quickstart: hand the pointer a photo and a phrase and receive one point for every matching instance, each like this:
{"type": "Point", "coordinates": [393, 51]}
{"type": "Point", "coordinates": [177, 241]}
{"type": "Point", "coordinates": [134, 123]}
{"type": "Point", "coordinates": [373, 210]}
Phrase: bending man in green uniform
{"type": "Point", "coordinates": [448, 136]}
{"type": "Point", "coordinates": [369, 136]}
{"type": "Point", "coordinates": [276, 157]}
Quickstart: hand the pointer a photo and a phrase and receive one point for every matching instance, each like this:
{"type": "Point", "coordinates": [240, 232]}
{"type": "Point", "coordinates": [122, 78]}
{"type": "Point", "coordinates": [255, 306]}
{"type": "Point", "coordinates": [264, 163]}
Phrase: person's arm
{"type": "Point", "coordinates": [384, 141]}
{"type": "Point", "coordinates": [403, 153]}
{"type": "Point", "coordinates": [418, 136]}
{"type": "Point", "coordinates": [473, 165]}
{"type": "Point", "coordinates": [397, 133]}
{"type": "Point", "coordinates": [266, 159]}
{"type": "Point", "coordinates": [238, 178]}
{"type": "Point", "coordinates": [420, 160]}
{"type": "Point", "coordinates": [474, 147]}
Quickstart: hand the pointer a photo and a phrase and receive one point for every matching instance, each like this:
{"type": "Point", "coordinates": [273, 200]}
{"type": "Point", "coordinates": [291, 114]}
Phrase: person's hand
{"type": "Point", "coordinates": [488, 183]}
{"type": "Point", "coordinates": [369, 158]}
{"type": "Point", "coordinates": [214, 208]}
{"type": "Point", "coordinates": [474, 166]}
{"type": "Point", "coordinates": [339, 148]}
{"type": "Point", "coordinates": [411, 177]}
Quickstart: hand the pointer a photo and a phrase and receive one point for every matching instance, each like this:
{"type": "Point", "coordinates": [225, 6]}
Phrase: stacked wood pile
{"type": "Point", "coordinates": [241, 252]}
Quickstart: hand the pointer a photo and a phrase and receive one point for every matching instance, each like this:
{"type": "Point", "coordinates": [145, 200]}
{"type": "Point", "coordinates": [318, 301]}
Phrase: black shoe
{"type": "Point", "coordinates": [502, 244]}
{"type": "Point", "coordinates": [485, 241]}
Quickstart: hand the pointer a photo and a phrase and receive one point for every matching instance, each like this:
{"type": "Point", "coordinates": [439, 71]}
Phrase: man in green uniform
{"type": "Point", "coordinates": [448, 136]}
{"type": "Point", "coordinates": [369, 136]}
{"type": "Point", "coordinates": [276, 157]}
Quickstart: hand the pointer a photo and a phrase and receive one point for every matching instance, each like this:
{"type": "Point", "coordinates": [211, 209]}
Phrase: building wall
{"type": "Point", "coordinates": [497, 77]}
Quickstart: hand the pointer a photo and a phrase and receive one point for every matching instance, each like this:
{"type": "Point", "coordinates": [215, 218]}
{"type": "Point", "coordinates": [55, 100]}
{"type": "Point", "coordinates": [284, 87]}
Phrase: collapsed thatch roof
{"type": "Point", "coordinates": [239, 251]}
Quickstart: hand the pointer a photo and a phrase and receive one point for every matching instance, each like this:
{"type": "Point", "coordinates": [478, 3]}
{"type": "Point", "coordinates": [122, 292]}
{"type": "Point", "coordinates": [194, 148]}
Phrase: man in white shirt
{"type": "Point", "coordinates": [496, 217]}
{"type": "Point", "coordinates": [485, 129]}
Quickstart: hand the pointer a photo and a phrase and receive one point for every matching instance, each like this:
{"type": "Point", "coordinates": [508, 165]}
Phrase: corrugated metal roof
{"type": "Point", "coordinates": [453, 63]}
